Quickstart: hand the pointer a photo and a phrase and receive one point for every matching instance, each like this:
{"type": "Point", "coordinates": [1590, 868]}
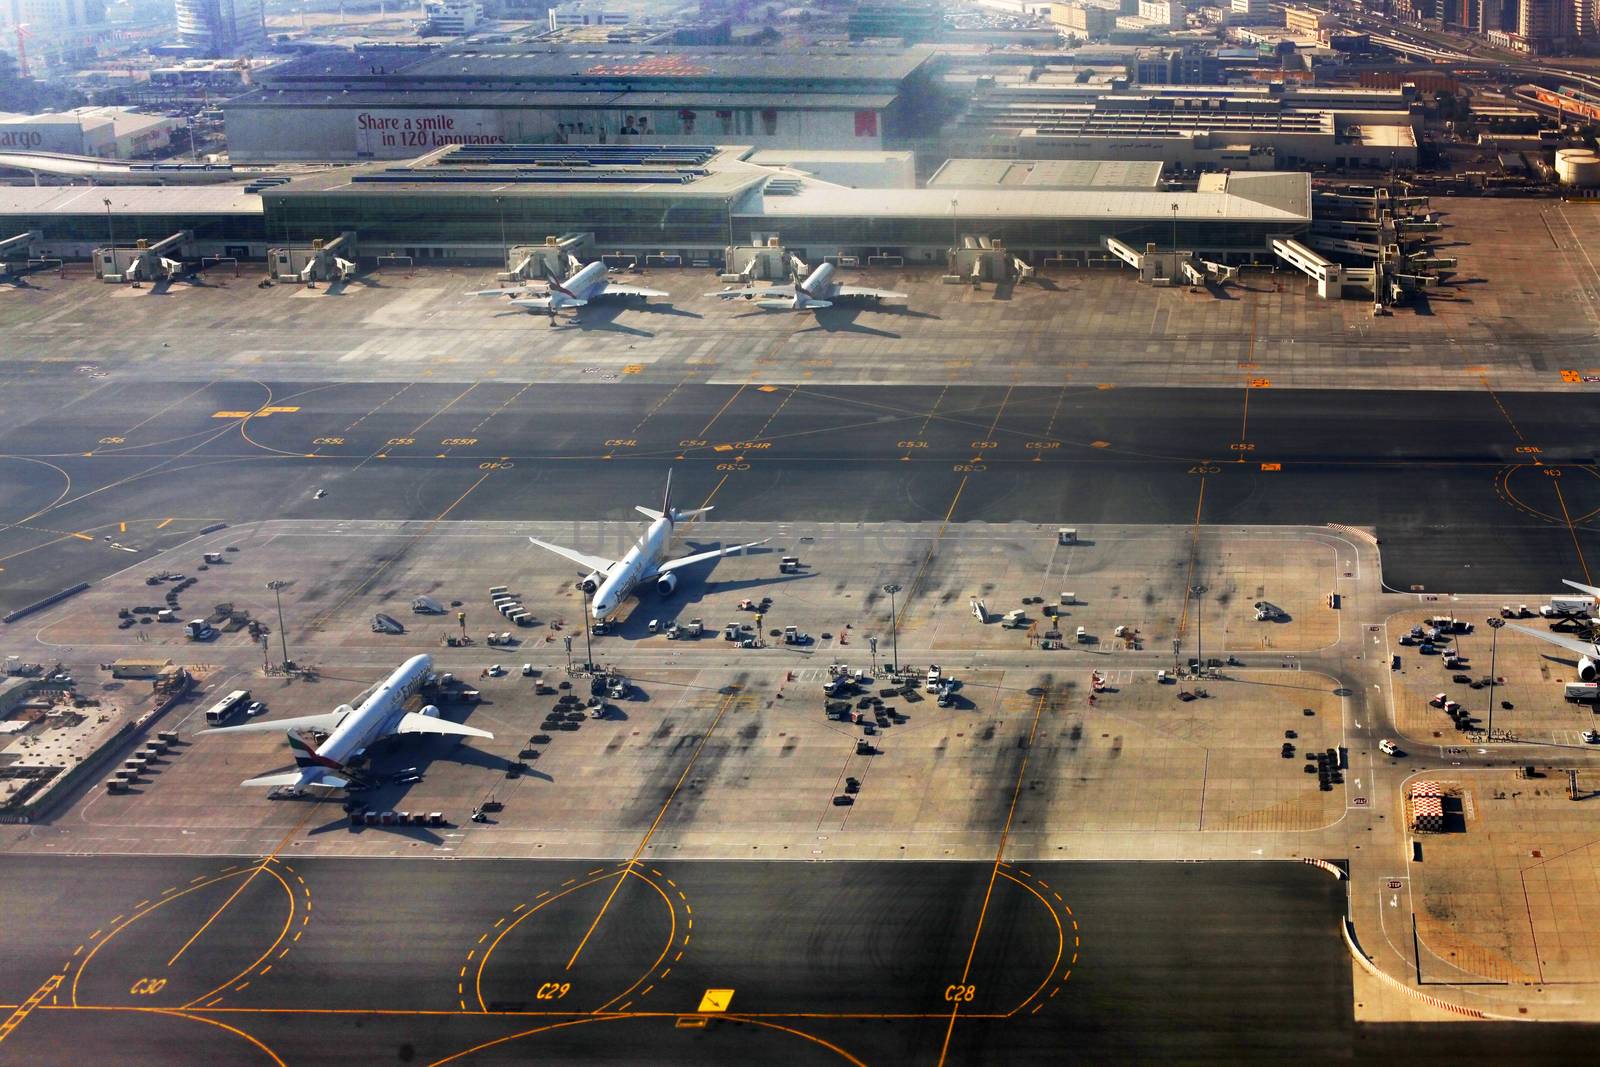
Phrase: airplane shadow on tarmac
{"type": "Point", "coordinates": [597, 317]}
{"type": "Point", "coordinates": [694, 583]}
{"type": "Point", "coordinates": [842, 319]}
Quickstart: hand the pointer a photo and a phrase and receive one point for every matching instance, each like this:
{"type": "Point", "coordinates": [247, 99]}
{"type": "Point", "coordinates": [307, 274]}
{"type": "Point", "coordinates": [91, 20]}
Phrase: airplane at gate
{"type": "Point", "coordinates": [586, 283]}
{"type": "Point", "coordinates": [351, 730]}
{"type": "Point", "coordinates": [1588, 651]}
{"type": "Point", "coordinates": [613, 581]}
{"type": "Point", "coordinates": [819, 290]}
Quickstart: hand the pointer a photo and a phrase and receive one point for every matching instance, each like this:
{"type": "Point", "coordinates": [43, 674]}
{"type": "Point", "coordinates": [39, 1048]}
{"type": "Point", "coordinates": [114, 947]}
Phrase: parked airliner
{"type": "Point", "coordinates": [351, 730]}
{"type": "Point", "coordinates": [819, 290]}
{"type": "Point", "coordinates": [612, 581]}
{"type": "Point", "coordinates": [586, 283]}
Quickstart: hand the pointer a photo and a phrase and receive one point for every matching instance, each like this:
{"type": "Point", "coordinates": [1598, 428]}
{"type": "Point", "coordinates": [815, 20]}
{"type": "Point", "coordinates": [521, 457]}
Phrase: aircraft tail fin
{"type": "Point", "coordinates": [666, 497]}
{"type": "Point", "coordinates": [306, 755]}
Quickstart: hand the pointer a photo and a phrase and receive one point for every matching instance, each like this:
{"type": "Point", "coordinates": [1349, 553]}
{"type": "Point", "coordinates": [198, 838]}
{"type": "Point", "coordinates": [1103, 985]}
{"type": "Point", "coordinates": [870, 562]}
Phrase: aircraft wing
{"type": "Point", "coordinates": [505, 292]}
{"type": "Point", "coordinates": [1571, 644]}
{"type": "Point", "coordinates": [715, 553]}
{"type": "Point", "coordinates": [582, 559]}
{"type": "Point", "coordinates": [325, 724]}
{"type": "Point", "coordinates": [1580, 587]}
{"type": "Point", "coordinates": [544, 303]}
{"type": "Point", "coordinates": [631, 290]}
{"type": "Point", "coordinates": [413, 723]}
{"type": "Point", "coordinates": [752, 292]}
{"type": "Point", "coordinates": [298, 779]}
{"type": "Point", "coordinates": [879, 294]}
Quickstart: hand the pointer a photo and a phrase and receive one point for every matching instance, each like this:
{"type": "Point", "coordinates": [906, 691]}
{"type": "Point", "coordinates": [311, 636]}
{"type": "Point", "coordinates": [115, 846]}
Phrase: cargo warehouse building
{"type": "Point", "coordinates": [684, 202]}
{"type": "Point", "coordinates": [398, 103]}
{"type": "Point", "coordinates": [1257, 127]}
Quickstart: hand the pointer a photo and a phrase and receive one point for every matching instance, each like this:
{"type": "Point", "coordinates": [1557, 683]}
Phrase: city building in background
{"type": "Point", "coordinates": [581, 13]}
{"type": "Point", "coordinates": [50, 34]}
{"type": "Point", "coordinates": [451, 18]}
{"type": "Point", "coordinates": [216, 28]}
{"type": "Point", "coordinates": [103, 132]}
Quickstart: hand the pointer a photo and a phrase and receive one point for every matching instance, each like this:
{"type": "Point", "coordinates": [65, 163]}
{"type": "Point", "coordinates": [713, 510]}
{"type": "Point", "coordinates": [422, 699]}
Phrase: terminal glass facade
{"type": "Point", "coordinates": [898, 235]}
{"type": "Point", "coordinates": [92, 227]}
{"type": "Point", "coordinates": [616, 219]}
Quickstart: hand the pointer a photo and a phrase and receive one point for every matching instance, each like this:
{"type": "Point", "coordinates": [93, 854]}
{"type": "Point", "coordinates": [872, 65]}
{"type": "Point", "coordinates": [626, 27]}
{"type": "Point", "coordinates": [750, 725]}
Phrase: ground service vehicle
{"type": "Point", "coordinates": [224, 709]}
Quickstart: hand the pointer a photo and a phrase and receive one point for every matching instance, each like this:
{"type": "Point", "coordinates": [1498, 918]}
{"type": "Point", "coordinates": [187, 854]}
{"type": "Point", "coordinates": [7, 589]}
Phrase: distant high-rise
{"type": "Point", "coordinates": [221, 27]}
{"type": "Point", "coordinates": [58, 31]}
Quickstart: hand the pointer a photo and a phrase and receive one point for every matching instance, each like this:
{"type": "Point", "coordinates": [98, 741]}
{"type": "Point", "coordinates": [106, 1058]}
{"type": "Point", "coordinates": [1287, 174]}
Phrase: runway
{"type": "Point", "coordinates": [1469, 491]}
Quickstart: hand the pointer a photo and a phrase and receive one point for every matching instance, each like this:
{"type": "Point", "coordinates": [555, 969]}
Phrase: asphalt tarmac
{"type": "Point", "coordinates": [1469, 491]}
{"type": "Point", "coordinates": [168, 960]}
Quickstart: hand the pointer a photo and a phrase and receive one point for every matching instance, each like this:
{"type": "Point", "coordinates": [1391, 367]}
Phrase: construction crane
{"type": "Point", "coordinates": [22, 50]}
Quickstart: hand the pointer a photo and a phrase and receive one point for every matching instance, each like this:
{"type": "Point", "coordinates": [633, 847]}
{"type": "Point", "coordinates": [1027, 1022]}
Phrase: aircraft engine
{"type": "Point", "coordinates": [666, 583]}
{"type": "Point", "coordinates": [430, 711]}
{"type": "Point", "coordinates": [592, 582]}
{"type": "Point", "coordinates": [1587, 670]}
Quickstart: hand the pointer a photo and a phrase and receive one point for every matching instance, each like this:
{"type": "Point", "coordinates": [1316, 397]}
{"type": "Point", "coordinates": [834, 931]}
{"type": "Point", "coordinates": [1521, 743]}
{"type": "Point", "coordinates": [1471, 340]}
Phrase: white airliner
{"type": "Point", "coordinates": [574, 291]}
{"type": "Point", "coordinates": [612, 581]}
{"type": "Point", "coordinates": [351, 730]}
{"type": "Point", "coordinates": [819, 290]}
{"type": "Point", "coordinates": [1588, 651]}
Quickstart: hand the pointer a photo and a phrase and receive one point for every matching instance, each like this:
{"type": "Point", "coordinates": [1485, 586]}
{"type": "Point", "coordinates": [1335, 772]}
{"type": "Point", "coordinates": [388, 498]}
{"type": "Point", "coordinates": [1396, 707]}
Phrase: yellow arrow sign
{"type": "Point", "coordinates": [716, 1000]}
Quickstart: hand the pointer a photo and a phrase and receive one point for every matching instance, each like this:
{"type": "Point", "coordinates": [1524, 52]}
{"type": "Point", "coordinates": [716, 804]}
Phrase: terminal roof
{"type": "Point", "coordinates": [1263, 196]}
{"type": "Point", "coordinates": [1047, 174]}
{"type": "Point", "coordinates": [128, 200]}
{"type": "Point", "coordinates": [584, 64]}
{"type": "Point", "coordinates": [546, 170]}
{"type": "Point", "coordinates": [636, 62]}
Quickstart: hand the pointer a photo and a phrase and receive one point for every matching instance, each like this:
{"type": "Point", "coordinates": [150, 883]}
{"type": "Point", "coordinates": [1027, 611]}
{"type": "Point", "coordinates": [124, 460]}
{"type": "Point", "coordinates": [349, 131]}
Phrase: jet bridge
{"type": "Point", "coordinates": [553, 259]}
{"type": "Point", "coordinates": [1333, 279]}
{"type": "Point", "coordinates": [322, 262]}
{"type": "Point", "coordinates": [1171, 267]}
{"type": "Point", "coordinates": [980, 258]}
{"type": "Point", "coordinates": [146, 261]}
{"type": "Point", "coordinates": [767, 262]}
{"type": "Point", "coordinates": [16, 253]}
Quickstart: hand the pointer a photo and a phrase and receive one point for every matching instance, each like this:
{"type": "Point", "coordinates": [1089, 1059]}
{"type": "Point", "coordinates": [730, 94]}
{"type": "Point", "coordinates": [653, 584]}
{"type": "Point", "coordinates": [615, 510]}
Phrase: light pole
{"type": "Point", "coordinates": [277, 586]}
{"type": "Point", "coordinates": [955, 229]}
{"type": "Point", "coordinates": [894, 622]}
{"type": "Point", "coordinates": [1494, 639]}
{"type": "Point", "coordinates": [588, 645]}
{"type": "Point", "coordinates": [1175, 209]}
{"type": "Point", "coordinates": [505, 249]}
{"type": "Point", "coordinates": [567, 640]}
{"type": "Point", "coordinates": [111, 232]}
{"type": "Point", "coordinates": [1199, 621]}
{"type": "Point", "coordinates": [872, 643]}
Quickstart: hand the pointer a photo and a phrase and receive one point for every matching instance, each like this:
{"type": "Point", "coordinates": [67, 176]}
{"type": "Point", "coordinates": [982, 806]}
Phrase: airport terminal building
{"type": "Point", "coordinates": [398, 103]}
{"type": "Point", "coordinates": [673, 204]}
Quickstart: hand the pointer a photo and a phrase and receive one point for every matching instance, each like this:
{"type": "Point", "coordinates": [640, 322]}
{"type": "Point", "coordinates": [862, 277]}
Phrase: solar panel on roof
{"type": "Point", "coordinates": [524, 178]}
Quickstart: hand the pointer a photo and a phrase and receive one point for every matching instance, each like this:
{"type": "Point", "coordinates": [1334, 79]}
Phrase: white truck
{"type": "Point", "coordinates": [1568, 605]}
